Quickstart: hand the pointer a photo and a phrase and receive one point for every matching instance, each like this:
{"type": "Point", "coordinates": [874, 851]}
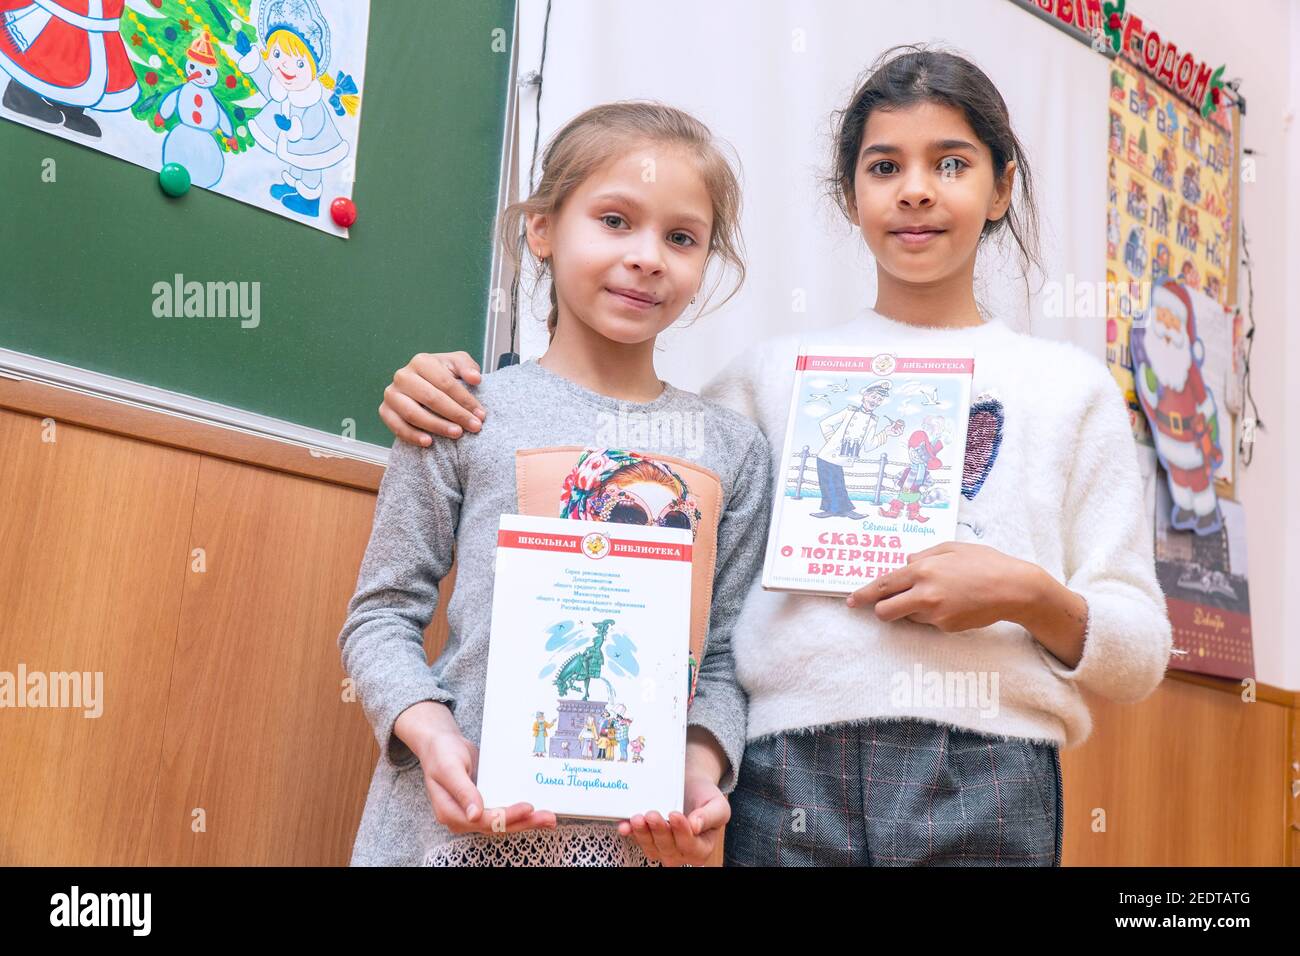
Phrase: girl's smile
{"type": "Point", "coordinates": [916, 235]}
{"type": "Point", "coordinates": [639, 301]}
{"type": "Point", "coordinates": [629, 245]}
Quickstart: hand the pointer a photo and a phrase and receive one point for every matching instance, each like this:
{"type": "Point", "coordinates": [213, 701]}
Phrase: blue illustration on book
{"type": "Point", "coordinates": [587, 729]}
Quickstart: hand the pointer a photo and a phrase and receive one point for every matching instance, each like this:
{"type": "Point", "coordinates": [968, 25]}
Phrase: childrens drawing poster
{"type": "Point", "coordinates": [1180, 385]}
{"type": "Point", "coordinates": [588, 672]}
{"type": "Point", "coordinates": [1170, 212]}
{"type": "Point", "coordinates": [258, 99]}
{"type": "Point", "coordinates": [1207, 590]}
{"type": "Point", "coordinates": [873, 464]}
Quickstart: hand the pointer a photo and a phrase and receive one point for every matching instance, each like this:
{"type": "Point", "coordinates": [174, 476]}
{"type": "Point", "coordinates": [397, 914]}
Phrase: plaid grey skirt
{"type": "Point", "coordinates": [895, 793]}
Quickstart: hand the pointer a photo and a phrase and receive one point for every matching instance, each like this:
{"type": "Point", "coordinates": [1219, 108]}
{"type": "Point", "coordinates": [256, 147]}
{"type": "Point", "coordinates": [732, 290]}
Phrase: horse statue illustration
{"type": "Point", "coordinates": [583, 667]}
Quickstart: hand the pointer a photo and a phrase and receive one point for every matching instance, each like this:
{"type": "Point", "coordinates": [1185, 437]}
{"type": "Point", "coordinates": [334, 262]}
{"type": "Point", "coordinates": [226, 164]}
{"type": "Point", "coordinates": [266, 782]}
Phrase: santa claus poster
{"type": "Point", "coordinates": [1172, 376]}
{"type": "Point", "coordinates": [258, 100]}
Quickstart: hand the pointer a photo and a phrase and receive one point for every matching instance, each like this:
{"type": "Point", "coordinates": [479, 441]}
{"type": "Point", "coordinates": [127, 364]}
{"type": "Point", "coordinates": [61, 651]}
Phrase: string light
{"type": "Point", "coordinates": [1246, 442]}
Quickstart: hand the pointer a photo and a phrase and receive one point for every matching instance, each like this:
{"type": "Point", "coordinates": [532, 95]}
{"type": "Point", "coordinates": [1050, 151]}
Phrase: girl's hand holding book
{"type": "Point", "coordinates": [449, 763]}
{"type": "Point", "coordinates": [683, 839]}
{"type": "Point", "coordinates": [688, 839]}
{"type": "Point", "coordinates": [958, 586]}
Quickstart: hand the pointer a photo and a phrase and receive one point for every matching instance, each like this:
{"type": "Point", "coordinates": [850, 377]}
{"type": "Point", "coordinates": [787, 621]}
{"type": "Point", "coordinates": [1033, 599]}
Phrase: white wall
{"type": "Point", "coordinates": [733, 63]}
{"type": "Point", "coordinates": [737, 68]}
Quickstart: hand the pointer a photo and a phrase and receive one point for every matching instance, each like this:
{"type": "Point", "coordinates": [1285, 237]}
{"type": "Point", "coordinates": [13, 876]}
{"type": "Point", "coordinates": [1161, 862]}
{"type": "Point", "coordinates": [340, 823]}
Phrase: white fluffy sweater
{"type": "Point", "coordinates": [1063, 492]}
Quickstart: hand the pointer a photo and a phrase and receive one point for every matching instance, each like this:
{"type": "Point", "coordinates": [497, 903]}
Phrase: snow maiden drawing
{"type": "Point", "coordinates": [297, 125]}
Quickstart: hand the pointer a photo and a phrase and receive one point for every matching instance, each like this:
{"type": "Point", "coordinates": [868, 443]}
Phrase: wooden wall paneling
{"type": "Point", "coordinates": [1188, 777]}
{"type": "Point", "coordinates": [179, 431]}
{"type": "Point", "coordinates": [223, 688]}
{"type": "Point", "coordinates": [1293, 784]}
{"type": "Point", "coordinates": [93, 535]}
{"type": "Point", "coordinates": [257, 733]}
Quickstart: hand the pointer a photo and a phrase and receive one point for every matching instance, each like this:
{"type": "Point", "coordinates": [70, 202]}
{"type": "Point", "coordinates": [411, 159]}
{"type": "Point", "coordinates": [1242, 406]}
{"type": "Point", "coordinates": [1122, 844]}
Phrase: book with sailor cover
{"type": "Point", "coordinates": [588, 668]}
{"type": "Point", "coordinates": [872, 464]}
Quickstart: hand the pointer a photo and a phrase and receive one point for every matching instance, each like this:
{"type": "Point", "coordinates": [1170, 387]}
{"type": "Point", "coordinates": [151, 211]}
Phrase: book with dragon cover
{"type": "Point", "coordinates": [872, 464]}
{"type": "Point", "coordinates": [589, 668]}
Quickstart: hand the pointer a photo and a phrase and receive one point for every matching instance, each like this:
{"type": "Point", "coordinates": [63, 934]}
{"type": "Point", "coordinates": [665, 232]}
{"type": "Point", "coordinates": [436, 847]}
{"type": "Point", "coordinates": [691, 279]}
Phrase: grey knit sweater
{"type": "Point", "coordinates": [450, 496]}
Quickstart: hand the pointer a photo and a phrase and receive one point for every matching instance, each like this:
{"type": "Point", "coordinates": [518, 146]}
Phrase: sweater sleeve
{"type": "Point", "coordinates": [720, 705]}
{"type": "Point", "coordinates": [1108, 558]}
{"type": "Point", "coordinates": [410, 551]}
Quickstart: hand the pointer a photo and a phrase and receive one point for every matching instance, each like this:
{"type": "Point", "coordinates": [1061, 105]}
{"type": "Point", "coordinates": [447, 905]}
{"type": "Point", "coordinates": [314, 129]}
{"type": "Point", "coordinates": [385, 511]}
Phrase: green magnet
{"type": "Point", "coordinates": [174, 179]}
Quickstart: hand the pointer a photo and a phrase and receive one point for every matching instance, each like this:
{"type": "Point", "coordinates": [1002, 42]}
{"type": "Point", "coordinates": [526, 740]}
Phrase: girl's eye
{"type": "Point", "coordinates": [952, 165]}
{"type": "Point", "coordinates": [880, 170]}
{"type": "Point", "coordinates": [608, 216]}
{"type": "Point", "coordinates": [301, 64]}
{"type": "Point", "coordinates": [276, 54]}
{"type": "Point", "coordinates": [690, 240]}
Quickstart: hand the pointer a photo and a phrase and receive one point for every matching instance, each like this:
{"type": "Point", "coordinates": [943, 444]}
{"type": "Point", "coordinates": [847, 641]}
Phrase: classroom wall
{"type": "Point", "coordinates": [765, 76]}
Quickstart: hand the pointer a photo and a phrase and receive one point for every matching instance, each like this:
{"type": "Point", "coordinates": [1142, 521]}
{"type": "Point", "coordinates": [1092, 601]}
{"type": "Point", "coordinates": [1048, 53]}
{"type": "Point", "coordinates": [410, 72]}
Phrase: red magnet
{"type": "Point", "coordinates": [344, 211]}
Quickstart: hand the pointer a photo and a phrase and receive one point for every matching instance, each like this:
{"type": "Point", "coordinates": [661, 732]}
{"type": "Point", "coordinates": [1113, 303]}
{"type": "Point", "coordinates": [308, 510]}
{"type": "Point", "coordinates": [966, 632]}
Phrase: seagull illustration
{"type": "Point", "coordinates": [831, 389]}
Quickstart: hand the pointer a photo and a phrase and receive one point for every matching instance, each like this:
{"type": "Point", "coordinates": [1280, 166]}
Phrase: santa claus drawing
{"type": "Point", "coordinates": [64, 57]}
{"type": "Point", "coordinates": [1167, 357]}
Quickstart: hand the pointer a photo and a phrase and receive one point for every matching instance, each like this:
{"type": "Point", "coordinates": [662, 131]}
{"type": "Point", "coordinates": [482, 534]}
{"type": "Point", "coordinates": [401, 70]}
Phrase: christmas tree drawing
{"type": "Point", "coordinates": [176, 42]}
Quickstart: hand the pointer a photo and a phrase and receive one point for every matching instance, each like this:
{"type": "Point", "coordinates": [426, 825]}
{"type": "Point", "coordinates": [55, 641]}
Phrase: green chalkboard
{"type": "Point", "coordinates": [80, 256]}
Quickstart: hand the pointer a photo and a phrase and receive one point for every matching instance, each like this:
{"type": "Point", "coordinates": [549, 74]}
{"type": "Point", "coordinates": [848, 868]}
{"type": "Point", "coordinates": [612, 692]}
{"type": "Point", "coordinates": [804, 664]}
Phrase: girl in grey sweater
{"type": "Point", "coordinates": [626, 253]}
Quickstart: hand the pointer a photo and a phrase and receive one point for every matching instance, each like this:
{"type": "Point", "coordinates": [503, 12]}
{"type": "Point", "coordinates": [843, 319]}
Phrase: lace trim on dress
{"type": "Point", "coordinates": [580, 844]}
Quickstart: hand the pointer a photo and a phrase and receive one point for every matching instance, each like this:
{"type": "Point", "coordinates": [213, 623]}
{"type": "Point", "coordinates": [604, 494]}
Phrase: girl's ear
{"type": "Point", "coordinates": [851, 204]}
{"type": "Point", "coordinates": [539, 229]}
{"type": "Point", "coordinates": [1002, 190]}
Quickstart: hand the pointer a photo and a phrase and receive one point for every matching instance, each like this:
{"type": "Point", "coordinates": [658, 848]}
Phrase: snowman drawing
{"type": "Point", "coordinates": [191, 143]}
